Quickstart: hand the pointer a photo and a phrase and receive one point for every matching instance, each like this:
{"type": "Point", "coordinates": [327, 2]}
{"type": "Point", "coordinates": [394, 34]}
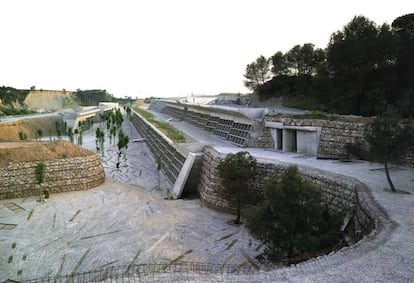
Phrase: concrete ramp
{"type": "Point", "coordinates": [190, 167]}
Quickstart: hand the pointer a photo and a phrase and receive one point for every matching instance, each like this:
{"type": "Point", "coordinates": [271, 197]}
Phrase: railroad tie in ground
{"type": "Point", "coordinates": [7, 226]}
{"type": "Point", "coordinates": [80, 261]}
{"type": "Point", "coordinates": [74, 216]}
{"type": "Point", "coordinates": [14, 207]}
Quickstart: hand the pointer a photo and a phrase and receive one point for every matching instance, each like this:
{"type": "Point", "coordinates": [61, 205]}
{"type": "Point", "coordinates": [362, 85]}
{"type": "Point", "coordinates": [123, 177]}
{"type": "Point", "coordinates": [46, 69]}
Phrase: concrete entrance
{"type": "Point", "coordinates": [300, 139]}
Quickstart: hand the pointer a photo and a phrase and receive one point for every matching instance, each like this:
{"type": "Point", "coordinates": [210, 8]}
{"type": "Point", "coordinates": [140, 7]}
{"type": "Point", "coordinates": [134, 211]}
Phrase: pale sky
{"type": "Point", "coordinates": [163, 47]}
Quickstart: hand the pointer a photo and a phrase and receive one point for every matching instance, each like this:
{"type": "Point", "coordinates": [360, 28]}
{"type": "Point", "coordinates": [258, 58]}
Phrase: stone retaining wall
{"type": "Point", "coordinates": [62, 175]}
{"type": "Point", "coordinates": [340, 193]}
{"type": "Point", "coordinates": [338, 139]}
{"type": "Point", "coordinates": [334, 138]}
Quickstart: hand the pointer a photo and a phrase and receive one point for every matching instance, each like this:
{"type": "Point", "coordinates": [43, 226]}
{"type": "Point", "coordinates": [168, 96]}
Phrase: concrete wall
{"type": "Point", "coordinates": [180, 162]}
{"type": "Point", "coordinates": [62, 175]}
{"type": "Point", "coordinates": [342, 194]}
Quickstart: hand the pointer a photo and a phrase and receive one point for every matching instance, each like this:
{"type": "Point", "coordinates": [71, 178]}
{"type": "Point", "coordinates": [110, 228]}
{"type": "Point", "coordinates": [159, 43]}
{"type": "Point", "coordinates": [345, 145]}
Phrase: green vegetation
{"type": "Point", "coordinates": [12, 101]}
{"type": "Point", "coordinates": [292, 220]}
{"type": "Point", "coordinates": [39, 134]}
{"type": "Point", "coordinates": [9, 95]}
{"type": "Point", "coordinates": [40, 177]}
{"type": "Point", "coordinates": [92, 97]}
{"type": "Point", "coordinates": [389, 138]}
{"type": "Point", "coordinates": [170, 131]}
{"type": "Point", "coordinates": [122, 143]}
{"type": "Point", "coordinates": [100, 141]}
{"type": "Point", "coordinates": [365, 69]}
{"type": "Point", "coordinates": [22, 136]}
{"type": "Point", "coordinates": [70, 134]}
{"type": "Point", "coordinates": [236, 172]}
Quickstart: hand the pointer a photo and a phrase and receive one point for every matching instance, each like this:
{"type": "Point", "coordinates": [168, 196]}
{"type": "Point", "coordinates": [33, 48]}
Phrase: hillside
{"type": "Point", "coordinates": [48, 100]}
{"type": "Point", "coordinates": [9, 131]}
{"type": "Point", "coordinates": [20, 101]}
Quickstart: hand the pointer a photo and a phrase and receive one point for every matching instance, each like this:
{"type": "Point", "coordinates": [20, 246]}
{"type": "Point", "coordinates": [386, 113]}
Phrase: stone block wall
{"type": "Point", "coordinates": [161, 147]}
{"type": "Point", "coordinates": [334, 139]}
{"type": "Point", "coordinates": [339, 193]}
{"type": "Point", "coordinates": [61, 175]}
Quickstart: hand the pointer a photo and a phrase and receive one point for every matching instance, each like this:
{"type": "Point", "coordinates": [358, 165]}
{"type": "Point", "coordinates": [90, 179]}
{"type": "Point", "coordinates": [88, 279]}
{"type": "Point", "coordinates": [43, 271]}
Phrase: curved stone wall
{"type": "Point", "coordinates": [345, 195]}
{"type": "Point", "coordinates": [62, 175]}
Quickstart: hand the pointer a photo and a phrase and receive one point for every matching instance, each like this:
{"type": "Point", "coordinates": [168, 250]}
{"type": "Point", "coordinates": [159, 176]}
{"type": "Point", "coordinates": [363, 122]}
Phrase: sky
{"type": "Point", "coordinates": [163, 48]}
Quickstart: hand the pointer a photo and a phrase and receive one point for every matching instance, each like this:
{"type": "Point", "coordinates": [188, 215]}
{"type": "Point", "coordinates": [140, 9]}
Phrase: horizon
{"type": "Point", "coordinates": [163, 48]}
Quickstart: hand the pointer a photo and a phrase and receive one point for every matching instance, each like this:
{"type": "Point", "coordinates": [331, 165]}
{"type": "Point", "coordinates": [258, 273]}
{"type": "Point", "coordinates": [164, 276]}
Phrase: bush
{"type": "Point", "coordinates": [292, 220]}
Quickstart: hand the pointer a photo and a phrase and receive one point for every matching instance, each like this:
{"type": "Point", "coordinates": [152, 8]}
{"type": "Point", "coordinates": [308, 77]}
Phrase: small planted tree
{"type": "Point", "coordinates": [40, 177]}
{"type": "Point", "coordinates": [236, 172]}
{"type": "Point", "coordinates": [39, 134]}
{"type": "Point", "coordinates": [159, 167]}
{"type": "Point", "coordinates": [122, 143]}
{"type": "Point", "coordinates": [100, 140]}
{"type": "Point", "coordinates": [70, 134]}
{"type": "Point", "coordinates": [389, 140]}
{"type": "Point", "coordinates": [76, 132]}
{"type": "Point", "coordinates": [22, 136]}
{"type": "Point", "coordinates": [292, 220]}
{"type": "Point", "coordinates": [80, 138]}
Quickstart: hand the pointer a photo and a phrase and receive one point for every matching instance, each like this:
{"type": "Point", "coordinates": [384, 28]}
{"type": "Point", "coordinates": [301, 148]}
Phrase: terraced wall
{"type": "Point", "coordinates": [344, 195]}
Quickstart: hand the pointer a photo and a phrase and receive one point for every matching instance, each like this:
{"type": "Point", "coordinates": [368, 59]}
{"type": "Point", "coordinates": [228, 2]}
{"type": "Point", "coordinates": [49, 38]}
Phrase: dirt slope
{"type": "Point", "coordinates": [39, 151]}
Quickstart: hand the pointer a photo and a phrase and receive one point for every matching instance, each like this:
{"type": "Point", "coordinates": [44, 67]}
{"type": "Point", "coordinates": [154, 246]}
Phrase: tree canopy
{"type": "Point", "coordinates": [389, 139]}
{"type": "Point", "coordinates": [257, 73]}
{"type": "Point", "coordinates": [236, 171]}
{"type": "Point", "coordinates": [292, 220]}
{"type": "Point", "coordinates": [364, 69]}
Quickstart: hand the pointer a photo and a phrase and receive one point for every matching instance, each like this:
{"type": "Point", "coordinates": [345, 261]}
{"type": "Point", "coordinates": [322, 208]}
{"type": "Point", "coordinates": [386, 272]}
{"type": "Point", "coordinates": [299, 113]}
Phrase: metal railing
{"type": "Point", "coordinates": [142, 272]}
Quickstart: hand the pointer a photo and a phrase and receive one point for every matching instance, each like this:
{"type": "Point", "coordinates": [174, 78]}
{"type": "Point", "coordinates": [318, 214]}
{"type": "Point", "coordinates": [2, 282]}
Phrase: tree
{"type": "Point", "coordinates": [159, 168]}
{"type": "Point", "coordinates": [351, 56]}
{"type": "Point", "coordinates": [22, 136]}
{"type": "Point", "coordinates": [80, 138]}
{"type": "Point", "coordinates": [236, 171]}
{"type": "Point", "coordinates": [76, 132]}
{"type": "Point", "coordinates": [40, 177]}
{"type": "Point", "coordinates": [70, 134]}
{"type": "Point", "coordinates": [292, 219]}
{"type": "Point", "coordinates": [389, 139]}
{"type": "Point", "coordinates": [279, 64]}
{"type": "Point", "coordinates": [128, 112]}
{"type": "Point", "coordinates": [404, 30]}
{"type": "Point", "coordinates": [39, 134]}
{"type": "Point", "coordinates": [257, 73]}
{"type": "Point", "coordinates": [405, 22]}
{"type": "Point", "coordinates": [122, 143]}
{"type": "Point", "coordinates": [100, 141]}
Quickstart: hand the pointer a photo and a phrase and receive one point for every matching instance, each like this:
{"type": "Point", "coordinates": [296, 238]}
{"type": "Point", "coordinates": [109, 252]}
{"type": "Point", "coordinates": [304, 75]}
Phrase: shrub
{"type": "Point", "coordinates": [292, 220]}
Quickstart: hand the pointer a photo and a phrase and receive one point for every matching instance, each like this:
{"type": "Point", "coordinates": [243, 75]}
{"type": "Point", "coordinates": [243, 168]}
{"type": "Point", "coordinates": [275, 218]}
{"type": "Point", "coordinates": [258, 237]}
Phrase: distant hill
{"type": "Point", "coordinates": [22, 101]}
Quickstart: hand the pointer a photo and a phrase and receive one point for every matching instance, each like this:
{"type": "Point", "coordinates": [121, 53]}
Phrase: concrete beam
{"type": "Point", "coordinates": [184, 173]}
